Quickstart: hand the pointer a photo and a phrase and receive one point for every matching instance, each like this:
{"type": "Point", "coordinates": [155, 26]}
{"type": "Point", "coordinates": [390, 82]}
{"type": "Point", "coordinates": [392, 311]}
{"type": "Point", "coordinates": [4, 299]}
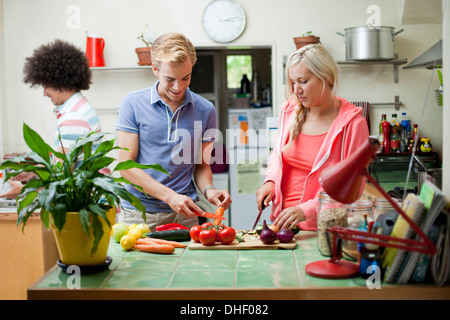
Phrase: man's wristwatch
{"type": "Point", "coordinates": [206, 189]}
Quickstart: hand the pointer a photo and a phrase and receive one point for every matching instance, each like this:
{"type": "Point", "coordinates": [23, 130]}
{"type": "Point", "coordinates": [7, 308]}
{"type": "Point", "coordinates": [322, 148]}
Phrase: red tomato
{"type": "Point", "coordinates": [227, 235]}
{"type": "Point", "coordinates": [194, 232]}
{"type": "Point", "coordinates": [208, 237]}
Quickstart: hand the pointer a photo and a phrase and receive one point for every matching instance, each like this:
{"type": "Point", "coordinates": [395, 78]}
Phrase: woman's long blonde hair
{"type": "Point", "coordinates": [318, 60]}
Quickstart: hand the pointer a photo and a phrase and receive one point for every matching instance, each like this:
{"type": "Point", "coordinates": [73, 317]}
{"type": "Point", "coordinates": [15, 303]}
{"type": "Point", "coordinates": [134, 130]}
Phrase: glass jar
{"type": "Point", "coordinates": [381, 205]}
{"type": "Point", "coordinates": [359, 215]}
{"type": "Point", "coordinates": [330, 213]}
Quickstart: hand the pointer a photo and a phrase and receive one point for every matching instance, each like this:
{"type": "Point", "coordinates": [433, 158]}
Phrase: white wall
{"type": "Point", "coordinates": [27, 24]}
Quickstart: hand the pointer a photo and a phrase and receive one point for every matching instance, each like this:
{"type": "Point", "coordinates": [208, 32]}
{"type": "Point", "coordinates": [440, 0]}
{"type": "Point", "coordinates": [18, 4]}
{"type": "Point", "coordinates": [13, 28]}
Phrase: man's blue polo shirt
{"type": "Point", "coordinates": [172, 140]}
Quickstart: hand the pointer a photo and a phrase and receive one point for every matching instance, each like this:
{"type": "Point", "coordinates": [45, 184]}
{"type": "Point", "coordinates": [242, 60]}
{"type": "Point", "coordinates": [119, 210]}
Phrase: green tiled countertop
{"type": "Point", "coordinates": [218, 274]}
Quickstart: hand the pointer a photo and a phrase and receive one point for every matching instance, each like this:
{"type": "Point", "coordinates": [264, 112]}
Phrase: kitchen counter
{"type": "Point", "coordinates": [219, 275]}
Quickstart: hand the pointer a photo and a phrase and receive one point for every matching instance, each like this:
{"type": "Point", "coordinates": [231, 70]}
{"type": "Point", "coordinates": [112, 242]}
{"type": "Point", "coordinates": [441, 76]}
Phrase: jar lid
{"type": "Point", "coordinates": [383, 202]}
{"type": "Point", "coordinates": [361, 204]}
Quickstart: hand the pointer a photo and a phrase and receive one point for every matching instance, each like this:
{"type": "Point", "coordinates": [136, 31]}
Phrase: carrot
{"type": "Point", "coordinates": [155, 248]}
{"type": "Point", "coordinates": [219, 212]}
{"type": "Point", "coordinates": [160, 241]}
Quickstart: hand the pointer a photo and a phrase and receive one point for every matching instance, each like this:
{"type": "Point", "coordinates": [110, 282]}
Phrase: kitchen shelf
{"type": "Point", "coordinates": [395, 62]}
{"type": "Point", "coordinates": [122, 68]}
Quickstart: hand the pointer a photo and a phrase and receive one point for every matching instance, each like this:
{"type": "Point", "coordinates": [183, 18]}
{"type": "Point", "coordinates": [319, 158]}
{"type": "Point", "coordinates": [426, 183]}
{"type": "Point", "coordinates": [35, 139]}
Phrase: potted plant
{"type": "Point", "coordinates": [145, 53]}
{"type": "Point", "coordinates": [73, 194]}
{"type": "Point", "coordinates": [305, 39]}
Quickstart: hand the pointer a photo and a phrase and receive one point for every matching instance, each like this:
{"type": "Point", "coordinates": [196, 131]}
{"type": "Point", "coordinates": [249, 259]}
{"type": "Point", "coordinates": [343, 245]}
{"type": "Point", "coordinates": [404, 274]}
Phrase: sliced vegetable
{"type": "Point", "coordinates": [219, 213]}
{"type": "Point", "coordinates": [161, 241]}
{"type": "Point", "coordinates": [170, 226]}
{"type": "Point", "coordinates": [295, 229]}
{"type": "Point", "coordinates": [173, 235]}
{"type": "Point", "coordinates": [267, 235]}
{"type": "Point", "coordinates": [155, 248]}
{"type": "Point", "coordinates": [274, 228]}
{"type": "Point", "coordinates": [285, 235]}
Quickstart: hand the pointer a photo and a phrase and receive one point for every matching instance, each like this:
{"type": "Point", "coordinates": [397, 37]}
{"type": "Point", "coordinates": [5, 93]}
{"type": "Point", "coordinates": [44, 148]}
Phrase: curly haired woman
{"type": "Point", "coordinates": [62, 70]}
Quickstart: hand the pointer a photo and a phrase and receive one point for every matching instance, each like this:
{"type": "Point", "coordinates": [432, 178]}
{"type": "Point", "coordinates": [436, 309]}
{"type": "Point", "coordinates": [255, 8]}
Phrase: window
{"type": "Point", "coordinates": [237, 66]}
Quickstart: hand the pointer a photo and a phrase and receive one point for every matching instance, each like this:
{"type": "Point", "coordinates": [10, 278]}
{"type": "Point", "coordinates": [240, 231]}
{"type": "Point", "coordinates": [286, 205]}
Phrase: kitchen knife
{"type": "Point", "coordinates": [259, 214]}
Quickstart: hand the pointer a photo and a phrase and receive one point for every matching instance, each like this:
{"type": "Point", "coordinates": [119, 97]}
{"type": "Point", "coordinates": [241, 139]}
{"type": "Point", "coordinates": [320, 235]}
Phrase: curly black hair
{"type": "Point", "coordinates": [58, 65]}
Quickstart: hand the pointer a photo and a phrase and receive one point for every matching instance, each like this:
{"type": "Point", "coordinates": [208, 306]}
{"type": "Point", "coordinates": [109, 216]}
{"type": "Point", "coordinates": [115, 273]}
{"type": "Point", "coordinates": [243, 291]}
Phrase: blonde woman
{"type": "Point", "coordinates": [170, 125]}
{"type": "Point", "coordinates": [316, 129]}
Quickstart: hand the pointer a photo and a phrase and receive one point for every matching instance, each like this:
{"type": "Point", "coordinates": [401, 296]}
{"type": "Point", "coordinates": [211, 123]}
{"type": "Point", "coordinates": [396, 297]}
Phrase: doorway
{"type": "Point", "coordinates": [214, 68]}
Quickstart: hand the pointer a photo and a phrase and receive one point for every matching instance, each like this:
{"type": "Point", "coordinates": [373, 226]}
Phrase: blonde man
{"type": "Point", "coordinates": [170, 125]}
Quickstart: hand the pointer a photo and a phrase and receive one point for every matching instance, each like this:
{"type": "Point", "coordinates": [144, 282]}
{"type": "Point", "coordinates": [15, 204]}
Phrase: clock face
{"type": "Point", "coordinates": [223, 20]}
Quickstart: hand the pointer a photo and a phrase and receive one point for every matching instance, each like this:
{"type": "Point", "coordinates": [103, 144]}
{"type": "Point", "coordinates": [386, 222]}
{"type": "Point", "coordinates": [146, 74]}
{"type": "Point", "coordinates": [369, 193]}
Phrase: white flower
{"type": "Point", "coordinates": [146, 36]}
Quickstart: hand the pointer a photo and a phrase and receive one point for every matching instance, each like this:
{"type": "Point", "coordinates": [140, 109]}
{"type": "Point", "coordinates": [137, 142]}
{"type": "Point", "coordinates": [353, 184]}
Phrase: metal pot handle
{"type": "Point", "coordinates": [396, 33]}
{"type": "Point", "coordinates": [341, 34]}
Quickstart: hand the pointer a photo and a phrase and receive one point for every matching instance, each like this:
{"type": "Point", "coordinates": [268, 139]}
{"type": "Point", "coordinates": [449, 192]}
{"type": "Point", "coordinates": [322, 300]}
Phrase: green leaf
{"type": "Point", "coordinates": [97, 231]}
{"type": "Point", "coordinates": [36, 143]}
{"type": "Point", "coordinates": [83, 215]}
{"type": "Point", "coordinates": [45, 218]}
{"type": "Point", "coordinates": [59, 215]}
{"type": "Point", "coordinates": [128, 164]}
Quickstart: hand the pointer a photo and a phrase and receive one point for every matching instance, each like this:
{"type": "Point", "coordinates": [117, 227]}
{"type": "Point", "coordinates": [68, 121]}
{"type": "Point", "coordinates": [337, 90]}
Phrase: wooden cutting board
{"type": "Point", "coordinates": [250, 243]}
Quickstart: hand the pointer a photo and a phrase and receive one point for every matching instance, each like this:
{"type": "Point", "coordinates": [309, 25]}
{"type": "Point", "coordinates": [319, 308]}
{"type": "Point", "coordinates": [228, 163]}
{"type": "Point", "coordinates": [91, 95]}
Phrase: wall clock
{"type": "Point", "coordinates": [223, 20]}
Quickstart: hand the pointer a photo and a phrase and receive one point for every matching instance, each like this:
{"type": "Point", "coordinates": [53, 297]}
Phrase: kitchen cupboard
{"type": "Point", "coordinates": [25, 256]}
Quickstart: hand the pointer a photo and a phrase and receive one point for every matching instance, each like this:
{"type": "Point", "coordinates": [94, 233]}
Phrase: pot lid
{"type": "Point", "coordinates": [430, 59]}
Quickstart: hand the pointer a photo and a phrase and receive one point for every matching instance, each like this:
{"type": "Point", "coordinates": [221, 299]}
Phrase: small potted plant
{"type": "Point", "coordinates": [145, 53]}
{"type": "Point", "coordinates": [305, 39]}
{"type": "Point", "coordinates": [73, 194]}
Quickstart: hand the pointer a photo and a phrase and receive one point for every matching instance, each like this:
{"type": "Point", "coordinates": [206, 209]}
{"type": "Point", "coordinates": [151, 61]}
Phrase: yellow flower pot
{"type": "Point", "coordinates": [74, 245]}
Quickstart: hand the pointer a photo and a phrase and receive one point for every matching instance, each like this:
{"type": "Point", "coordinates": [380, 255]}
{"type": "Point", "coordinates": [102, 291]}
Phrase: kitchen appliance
{"type": "Point", "coordinates": [369, 42]}
{"type": "Point", "coordinates": [342, 182]}
{"type": "Point", "coordinates": [246, 141]}
{"type": "Point", "coordinates": [94, 50]}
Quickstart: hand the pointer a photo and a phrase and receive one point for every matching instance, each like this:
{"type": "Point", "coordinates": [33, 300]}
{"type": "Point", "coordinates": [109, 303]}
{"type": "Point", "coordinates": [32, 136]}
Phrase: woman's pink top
{"type": "Point", "coordinates": [298, 162]}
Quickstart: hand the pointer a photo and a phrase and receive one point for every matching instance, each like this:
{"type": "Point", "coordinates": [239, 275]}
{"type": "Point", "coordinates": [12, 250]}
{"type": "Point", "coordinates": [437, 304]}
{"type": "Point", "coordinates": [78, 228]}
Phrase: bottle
{"type": "Point", "coordinates": [395, 140]}
{"type": "Point", "coordinates": [403, 141]}
{"type": "Point", "coordinates": [256, 86]}
{"type": "Point", "coordinates": [387, 136]}
{"type": "Point", "coordinates": [410, 146]}
{"type": "Point", "coordinates": [330, 213]}
{"type": "Point", "coordinates": [381, 206]}
{"type": "Point", "coordinates": [415, 136]}
{"type": "Point", "coordinates": [380, 133]}
{"type": "Point", "coordinates": [245, 85]}
{"type": "Point", "coordinates": [394, 121]}
{"type": "Point", "coordinates": [406, 124]}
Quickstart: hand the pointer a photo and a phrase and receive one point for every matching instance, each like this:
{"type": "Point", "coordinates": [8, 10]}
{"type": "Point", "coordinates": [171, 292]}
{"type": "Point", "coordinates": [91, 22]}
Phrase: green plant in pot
{"type": "Point", "coordinates": [72, 193]}
{"type": "Point", "coordinates": [305, 39]}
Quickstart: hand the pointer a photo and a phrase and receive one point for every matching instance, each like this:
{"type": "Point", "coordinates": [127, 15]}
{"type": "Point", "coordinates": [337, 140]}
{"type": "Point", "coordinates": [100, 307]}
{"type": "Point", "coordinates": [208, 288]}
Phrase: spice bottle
{"type": "Point", "coordinates": [395, 140]}
{"type": "Point", "coordinates": [380, 132]}
{"type": "Point", "coordinates": [359, 215]}
{"type": "Point", "coordinates": [330, 213]}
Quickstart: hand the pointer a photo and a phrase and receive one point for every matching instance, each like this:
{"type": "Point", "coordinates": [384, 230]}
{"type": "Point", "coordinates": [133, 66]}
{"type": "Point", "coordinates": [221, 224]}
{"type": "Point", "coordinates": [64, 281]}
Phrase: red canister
{"type": "Point", "coordinates": [94, 50]}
